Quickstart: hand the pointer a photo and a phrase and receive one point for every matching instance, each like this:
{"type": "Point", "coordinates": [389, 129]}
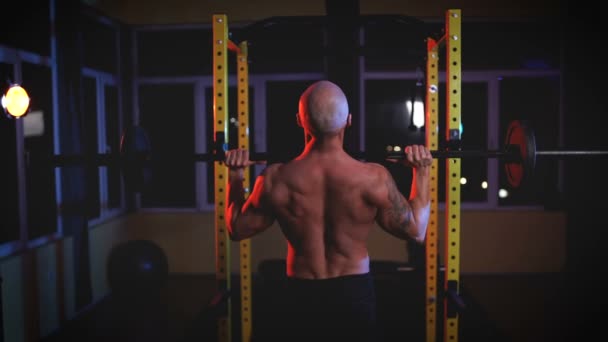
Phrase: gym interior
{"type": "Point", "coordinates": [96, 250]}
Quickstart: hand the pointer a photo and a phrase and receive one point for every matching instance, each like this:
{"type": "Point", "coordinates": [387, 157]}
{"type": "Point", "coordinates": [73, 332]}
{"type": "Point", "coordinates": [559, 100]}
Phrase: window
{"type": "Point", "coordinates": [103, 127]}
{"type": "Point", "coordinates": [30, 214]}
{"type": "Point", "coordinates": [102, 117]}
{"type": "Point", "coordinates": [113, 130]}
{"type": "Point", "coordinates": [170, 126]}
{"type": "Point", "coordinates": [285, 139]}
{"type": "Point", "coordinates": [474, 136]}
{"type": "Point", "coordinates": [232, 130]}
{"type": "Point", "coordinates": [389, 123]}
{"type": "Point", "coordinates": [27, 143]}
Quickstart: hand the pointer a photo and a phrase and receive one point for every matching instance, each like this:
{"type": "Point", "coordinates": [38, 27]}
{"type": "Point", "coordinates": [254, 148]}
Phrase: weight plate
{"type": "Point", "coordinates": [520, 138]}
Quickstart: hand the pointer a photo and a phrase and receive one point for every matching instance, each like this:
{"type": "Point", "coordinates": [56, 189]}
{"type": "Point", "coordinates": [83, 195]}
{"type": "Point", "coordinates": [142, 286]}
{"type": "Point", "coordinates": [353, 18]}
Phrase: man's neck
{"type": "Point", "coordinates": [324, 144]}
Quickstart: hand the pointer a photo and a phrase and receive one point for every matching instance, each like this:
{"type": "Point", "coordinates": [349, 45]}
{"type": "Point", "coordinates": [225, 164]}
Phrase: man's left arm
{"type": "Point", "coordinates": [245, 218]}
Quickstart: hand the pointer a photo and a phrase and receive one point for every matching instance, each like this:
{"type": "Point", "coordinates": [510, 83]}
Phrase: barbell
{"type": "Point", "coordinates": [519, 155]}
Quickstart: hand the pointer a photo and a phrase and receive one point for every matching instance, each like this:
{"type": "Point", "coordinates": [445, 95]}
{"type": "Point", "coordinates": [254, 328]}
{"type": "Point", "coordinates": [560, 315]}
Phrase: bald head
{"type": "Point", "coordinates": [323, 109]}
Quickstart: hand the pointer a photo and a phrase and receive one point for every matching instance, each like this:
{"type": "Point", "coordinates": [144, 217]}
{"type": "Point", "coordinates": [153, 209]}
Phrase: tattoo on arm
{"type": "Point", "coordinates": [400, 213]}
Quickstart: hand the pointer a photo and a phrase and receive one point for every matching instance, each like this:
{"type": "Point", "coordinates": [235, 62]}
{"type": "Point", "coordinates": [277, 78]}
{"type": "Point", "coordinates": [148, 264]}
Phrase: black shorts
{"type": "Point", "coordinates": [335, 309]}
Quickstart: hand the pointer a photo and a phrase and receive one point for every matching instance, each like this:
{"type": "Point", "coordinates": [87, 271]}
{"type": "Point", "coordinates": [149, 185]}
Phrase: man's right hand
{"type": "Point", "coordinates": [417, 156]}
{"type": "Point", "coordinates": [236, 161]}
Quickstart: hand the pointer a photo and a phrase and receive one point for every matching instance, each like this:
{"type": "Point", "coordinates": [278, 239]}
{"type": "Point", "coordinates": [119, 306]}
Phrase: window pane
{"type": "Point", "coordinates": [41, 200]}
{"type": "Point", "coordinates": [9, 210]}
{"type": "Point", "coordinates": [389, 122]}
{"type": "Point", "coordinates": [474, 136]}
{"type": "Point", "coordinates": [112, 143]}
{"type": "Point", "coordinates": [167, 114]}
{"type": "Point", "coordinates": [535, 100]}
{"type": "Point", "coordinates": [232, 130]}
{"type": "Point", "coordinates": [285, 139]}
{"type": "Point", "coordinates": [91, 141]}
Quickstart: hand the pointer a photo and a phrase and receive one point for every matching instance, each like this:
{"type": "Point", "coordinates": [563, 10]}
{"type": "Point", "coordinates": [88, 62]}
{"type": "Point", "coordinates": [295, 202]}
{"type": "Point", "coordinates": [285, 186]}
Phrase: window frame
{"type": "Point", "coordinates": [103, 79]}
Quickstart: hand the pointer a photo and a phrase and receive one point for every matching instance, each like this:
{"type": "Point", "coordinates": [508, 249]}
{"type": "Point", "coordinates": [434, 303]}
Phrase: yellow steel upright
{"type": "Point", "coordinates": [431, 132]}
{"type": "Point", "coordinates": [220, 110]}
{"type": "Point", "coordinates": [243, 132]}
{"type": "Point", "coordinates": [453, 42]}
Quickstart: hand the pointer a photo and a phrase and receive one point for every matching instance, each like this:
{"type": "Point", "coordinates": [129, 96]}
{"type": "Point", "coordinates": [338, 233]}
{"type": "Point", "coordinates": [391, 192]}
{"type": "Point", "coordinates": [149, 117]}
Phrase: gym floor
{"type": "Point", "coordinates": [518, 307]}
{"type": "Point", "coordinates": [521, 307]}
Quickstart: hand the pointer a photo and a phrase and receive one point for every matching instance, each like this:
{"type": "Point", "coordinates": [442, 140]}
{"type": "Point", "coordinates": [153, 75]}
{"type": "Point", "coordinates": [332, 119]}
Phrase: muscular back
{"type": "Point", "coordinates": [325, 201]}
{"type": "Point", "coordinates": [325, 206]}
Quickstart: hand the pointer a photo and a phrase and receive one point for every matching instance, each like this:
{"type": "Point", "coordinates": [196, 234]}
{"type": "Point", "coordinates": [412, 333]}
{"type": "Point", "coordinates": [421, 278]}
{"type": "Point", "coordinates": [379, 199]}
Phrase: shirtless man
{"type": "Point", "coordinates": [326, 203]}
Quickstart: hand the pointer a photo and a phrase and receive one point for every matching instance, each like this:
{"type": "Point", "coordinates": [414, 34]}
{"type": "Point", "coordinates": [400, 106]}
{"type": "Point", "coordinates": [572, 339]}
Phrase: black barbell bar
{"type": "Point", "coordinates": [519, 155]}
{"type": "Point", "coordinates": [117, 159]}
{"type": "Point", "coordinates": [563, 154]}
{"type": "Point", "coordinates": [510, 153]}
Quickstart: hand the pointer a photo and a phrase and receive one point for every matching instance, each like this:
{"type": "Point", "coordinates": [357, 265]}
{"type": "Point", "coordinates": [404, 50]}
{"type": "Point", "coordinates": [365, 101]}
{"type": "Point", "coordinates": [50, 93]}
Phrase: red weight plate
{"type": "Point", "coordinates": [520, 137]}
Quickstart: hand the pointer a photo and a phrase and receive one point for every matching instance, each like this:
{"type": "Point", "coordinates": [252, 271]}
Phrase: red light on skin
{"type": "Point", "coordinates": [16, 101]}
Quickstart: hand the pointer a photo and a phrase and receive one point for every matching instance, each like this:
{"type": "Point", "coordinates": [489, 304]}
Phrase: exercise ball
{"type": "Point", "coordinates": [137, 267]}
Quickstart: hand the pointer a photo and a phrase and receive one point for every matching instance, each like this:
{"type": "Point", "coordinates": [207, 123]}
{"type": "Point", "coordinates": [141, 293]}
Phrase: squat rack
{"type": "Point", "coordinates": [221, 46]}
{"type": "Point", "coordinates": [452, 43]}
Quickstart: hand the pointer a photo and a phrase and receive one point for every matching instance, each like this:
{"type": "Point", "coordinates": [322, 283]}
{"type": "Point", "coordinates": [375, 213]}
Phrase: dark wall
{"type": "Point", "coordinates": [585, 107]}
{"type": "Point", "coordinates": [25, 25]}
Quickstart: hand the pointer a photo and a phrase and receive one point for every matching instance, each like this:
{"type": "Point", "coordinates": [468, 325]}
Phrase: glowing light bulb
{"type": "Point", "coordinates": [16, 101]}
{"type": "Point", "coordinates": [502, 193]}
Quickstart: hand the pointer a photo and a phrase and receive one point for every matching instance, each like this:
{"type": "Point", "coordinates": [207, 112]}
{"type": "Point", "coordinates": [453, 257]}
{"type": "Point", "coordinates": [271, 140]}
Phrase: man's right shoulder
{"type": "Point", "coordinates": [376, 169]}
{"type": "Point", "coordinates": [370, 173]}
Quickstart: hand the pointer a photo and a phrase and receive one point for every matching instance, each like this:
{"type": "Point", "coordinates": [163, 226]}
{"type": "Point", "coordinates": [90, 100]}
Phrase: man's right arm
{"type": "Point", "coordinates": [398, 216]}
